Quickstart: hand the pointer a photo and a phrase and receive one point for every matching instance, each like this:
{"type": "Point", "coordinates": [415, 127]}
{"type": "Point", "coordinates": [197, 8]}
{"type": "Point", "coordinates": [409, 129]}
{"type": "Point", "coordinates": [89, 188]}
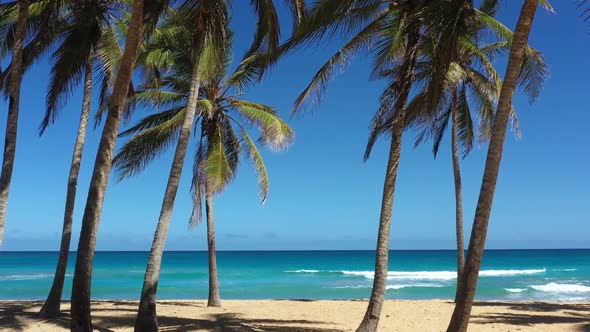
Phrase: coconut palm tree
{"type": "Point", "coordinates": [222, 136]}
{"type": "Point", "coordinates": [460, 318]}
{"type": "Point", "coordinates": [16, 72]}
{"type": "Point", "coordinates": [470, 79]}
{"type": "Point", "coordinates": [391, 31]}
{"type": "Point", "coordinates": [80, 312]}
{"type": "Point", "coordinates": [143, 18]}
{"type": "Point", "coordinates": [43, 26]}
{"type": "Point", "coordinates": [88, 22]}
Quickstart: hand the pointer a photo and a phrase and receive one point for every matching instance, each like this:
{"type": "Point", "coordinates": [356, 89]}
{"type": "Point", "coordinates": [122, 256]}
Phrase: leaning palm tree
{"type": "Point", "coordinates": [471, 83]}
{"type": "Point", "coordinates": [16, 73]}
{"type": "Point", "coordinates": [42, 26]}
{"type": "Point", "coordinates": [87, 22]}
{"type": "Point", "coordinates": [216, 109]}
{"type": "Point", "coordinates": [391, 31]}
{"type": "Point", "coordinates": [461, 314]}
{"type": "Point", "coordinates": [144, 17]}
{"type": "Point", "coordinates": [80, 312]}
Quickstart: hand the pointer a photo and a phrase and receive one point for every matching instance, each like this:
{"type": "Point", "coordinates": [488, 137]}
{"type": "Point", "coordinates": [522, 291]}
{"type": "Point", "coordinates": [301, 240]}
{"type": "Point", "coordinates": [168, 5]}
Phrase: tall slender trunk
{"type": "Point", "coordinates": [458, 195]}
{"type": "Point", "coordinates": [147, 319]}
{"type": "Point", "coordinates": [51, 307]}
{"type": "Point", "coordinates": [214, 299]}
{"type": "Point", "coordinates": [370, 321]}
{"type": "Point", "coordinates": [16, 77]}
{"type": "Point", "coordinates": [80, 312]}
{"type": "Point", "coordinates": [462, 312]}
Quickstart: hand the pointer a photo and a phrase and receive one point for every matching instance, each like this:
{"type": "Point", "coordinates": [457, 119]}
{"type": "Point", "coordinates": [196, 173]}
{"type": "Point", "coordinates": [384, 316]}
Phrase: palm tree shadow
{"type": "Point", "coordinates": [16, 315]}
{"type": "Point", "coordinates": [19, 316]}
{"type": "Point", "coordinates": [236, 323]}
{"type": "Point", "coordinates": [564, 313]}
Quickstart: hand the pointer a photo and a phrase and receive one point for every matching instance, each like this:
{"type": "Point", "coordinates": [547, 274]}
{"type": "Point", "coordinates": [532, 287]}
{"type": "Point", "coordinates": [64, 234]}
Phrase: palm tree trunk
{"type": "Point", "coordinates": [214, 299]}
{"type": "Point", "coordinates": [458, 195]}
{"type": "Point", "coordinates": [13, 109]}
{"type": "Point", "coordinates": [51, 307]}
{"type": "Point", "coordinates": [80, 312]}
{"type": "Point", "coordinates": [370, 321]}
{"type": "Point", "coordinates": [462, 312]}
{"type": "Point", "coordinates": [147, 319]}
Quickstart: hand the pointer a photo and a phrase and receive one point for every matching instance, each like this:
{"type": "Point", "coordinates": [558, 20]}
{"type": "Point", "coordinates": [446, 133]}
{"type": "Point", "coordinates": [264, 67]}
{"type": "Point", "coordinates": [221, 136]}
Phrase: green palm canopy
{"type": "Point", "coordinates": [223, 117]}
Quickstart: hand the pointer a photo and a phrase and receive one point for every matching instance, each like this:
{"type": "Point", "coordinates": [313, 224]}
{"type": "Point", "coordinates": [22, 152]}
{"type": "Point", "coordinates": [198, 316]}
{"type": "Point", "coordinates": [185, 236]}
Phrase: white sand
{"type": "Point", "coordinates": [298, 316]}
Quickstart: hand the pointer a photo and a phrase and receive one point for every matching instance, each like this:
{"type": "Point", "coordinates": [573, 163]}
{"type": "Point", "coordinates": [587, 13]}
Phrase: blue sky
{"type": "Point", "coordinates": [322, 195]}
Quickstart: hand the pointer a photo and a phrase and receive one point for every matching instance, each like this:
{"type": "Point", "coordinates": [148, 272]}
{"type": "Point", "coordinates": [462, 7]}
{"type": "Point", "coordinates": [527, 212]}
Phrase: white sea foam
{"type": "Point", "coordinates": [515, 290]}
{"type": "Point", "coordinates": [566, 270]}
{"type": "Point", "coordinates": [25, 276]}
{"type": "Point", "coordinates": [497, 273]}
{"type": "Point", "coordinates": [413, 285]}
{"type": "Point", "coordinates": [407, 275]}
{"type": "Point", "coordinates": [561, 288]}
{"type": "Point", "coordinates": [440, 275]}
{"type": "Point", "coordinates": [423, 275]}
{"type": "Point", "coordinates": [397, 286]}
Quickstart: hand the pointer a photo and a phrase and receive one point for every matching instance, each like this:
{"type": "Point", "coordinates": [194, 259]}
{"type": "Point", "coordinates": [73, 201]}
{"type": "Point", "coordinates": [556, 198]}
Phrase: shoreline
{"type": "Point", "coordinates": [308, 315]}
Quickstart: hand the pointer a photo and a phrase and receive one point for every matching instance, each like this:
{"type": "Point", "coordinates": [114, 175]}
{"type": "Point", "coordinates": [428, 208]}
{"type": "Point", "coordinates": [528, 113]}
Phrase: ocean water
{"type": "Point", "coordinates": [544, 275]}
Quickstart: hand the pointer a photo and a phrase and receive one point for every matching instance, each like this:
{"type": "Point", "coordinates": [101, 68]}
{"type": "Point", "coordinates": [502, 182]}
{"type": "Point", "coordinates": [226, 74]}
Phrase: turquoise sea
{"type": "Point", "coordinates": [548, 275]}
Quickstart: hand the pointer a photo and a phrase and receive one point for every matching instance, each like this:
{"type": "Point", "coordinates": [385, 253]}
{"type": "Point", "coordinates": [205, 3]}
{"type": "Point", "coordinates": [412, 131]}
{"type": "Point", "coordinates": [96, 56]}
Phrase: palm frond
{"type": "Point", "coordinates": [533, 74]}
{"type": "Point", "coordinates": [267, 34]}
{"type": "Point", "coordinates": [319, 82]}
{"type": "Point", "coordinates": [69, 61]}
{"type": "Point", "coordinates": [198, 183]}
{"type": "Point", "coordinates": [154, 120]}
{"type": "Point", "coordinates": [439, 128]}
{"type": "Point", "coordinates": [255, 157]}
{"type": "Point", "coordinates": [465, 131]}
{"type": "Point", "coordinates": [275, 133]}
{"type": "Point", "coordinates": [140, 150]}
{"type": "Point", "coordinates": [217, 166]}
{"type": "Point", "coordinates": [298, 11]}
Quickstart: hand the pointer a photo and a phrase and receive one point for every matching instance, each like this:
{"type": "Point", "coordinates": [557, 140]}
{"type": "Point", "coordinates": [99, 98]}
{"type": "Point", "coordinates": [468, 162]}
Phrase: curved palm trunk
{"type": "Point", "coordinates": [147, 319]}
{"type": "Point", "coordinates": [16, 75]}
{"type": "Point", "coordinates": [214, 299]}
{"type": "Point", "coordinates": [370, 321]}
{"type": "Point", "coordinates": [80, 312]}
{"type": "Point", "coordinates": [458, 196]}
{"type": "Point", "coordinates": [462, 312]}
{"type": "Point", "coordinates": [51, 307]}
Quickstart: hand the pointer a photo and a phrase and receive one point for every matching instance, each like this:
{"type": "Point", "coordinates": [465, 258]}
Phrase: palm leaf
{"type": "Point", "coordinates": [275, 133]}
{"type": "Point", "coordinates": [219, 171]}
{"type": "Point", "coordinates": [198, 183]}
{"type": "Point", "coordinates": [319, 82]}
{"type": "Point", "coordinates": [255, 157]}
{"type": "Point", "coordinates": [140, 150]}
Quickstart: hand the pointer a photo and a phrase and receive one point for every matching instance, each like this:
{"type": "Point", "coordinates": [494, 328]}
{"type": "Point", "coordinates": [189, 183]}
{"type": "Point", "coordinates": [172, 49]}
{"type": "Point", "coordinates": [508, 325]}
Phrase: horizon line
{"type": "Point", "coordinates": [297, 250]}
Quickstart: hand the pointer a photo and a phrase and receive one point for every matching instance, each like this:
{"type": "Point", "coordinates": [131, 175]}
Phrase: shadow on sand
{"type": "Point", "coordinates": [22, 316]}
{"type": "Point", "coordinates": [535, 313]}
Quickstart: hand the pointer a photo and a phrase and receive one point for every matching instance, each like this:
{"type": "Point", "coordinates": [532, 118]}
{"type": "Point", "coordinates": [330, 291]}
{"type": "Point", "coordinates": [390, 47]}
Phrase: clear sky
{"type": "Point", "coordinates": [322, 195]}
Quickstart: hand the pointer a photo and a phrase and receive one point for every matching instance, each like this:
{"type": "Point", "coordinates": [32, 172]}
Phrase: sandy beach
{"type": "Point", "coordinates": [305, 315]}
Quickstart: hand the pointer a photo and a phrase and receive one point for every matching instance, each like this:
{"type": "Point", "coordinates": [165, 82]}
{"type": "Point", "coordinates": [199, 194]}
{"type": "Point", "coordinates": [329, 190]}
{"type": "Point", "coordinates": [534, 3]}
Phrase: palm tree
{"type": "Point", "coordinates": [168, 66]}
{"type": "Point", "coordinates": [392, 32]}
{"type": "Point", "coordinates": [470, 79]}
{"type": "Point", "coordinates": [42, 26]}
{"type": "Point", "coordinates": [460, 319]}
{"type": "Point", "coordinates": [143, 18]}
{"type": "Point", "coordinates": [88, 23]}
{"type": "Point", "coordinates": [16, 73]}
{"type": "Point", "coordinates": [80, 312]}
